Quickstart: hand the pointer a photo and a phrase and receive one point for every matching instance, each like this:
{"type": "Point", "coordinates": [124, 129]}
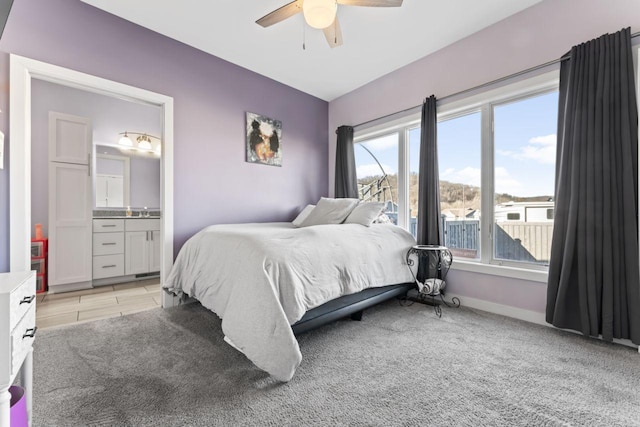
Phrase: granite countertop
{"type": "Point", "coordinates": [121, 214]}
{"type": "Point", "coordinates": [127, 217]}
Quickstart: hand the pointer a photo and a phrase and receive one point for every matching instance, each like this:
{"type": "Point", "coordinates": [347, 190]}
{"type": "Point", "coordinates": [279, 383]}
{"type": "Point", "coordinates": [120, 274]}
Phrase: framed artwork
{"type": "Point", "coordinates": [264, 140]}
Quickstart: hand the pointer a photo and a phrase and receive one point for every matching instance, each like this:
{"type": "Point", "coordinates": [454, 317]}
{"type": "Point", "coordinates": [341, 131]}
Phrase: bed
{"type": "Point", "coordinates": [261, 279]}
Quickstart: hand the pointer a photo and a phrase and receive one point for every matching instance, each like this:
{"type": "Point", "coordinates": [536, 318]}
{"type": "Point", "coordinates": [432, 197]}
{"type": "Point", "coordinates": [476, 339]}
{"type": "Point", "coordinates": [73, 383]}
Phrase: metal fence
{"type": "Point", "coordinates": [462, 234]}
{"type": "Point", "coordinates": [516, 241]}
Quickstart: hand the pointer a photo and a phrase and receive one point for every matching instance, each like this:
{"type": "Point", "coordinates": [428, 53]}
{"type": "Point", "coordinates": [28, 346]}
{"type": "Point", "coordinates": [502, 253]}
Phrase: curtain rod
{"type": "Point", "coordinates": [492, 82]}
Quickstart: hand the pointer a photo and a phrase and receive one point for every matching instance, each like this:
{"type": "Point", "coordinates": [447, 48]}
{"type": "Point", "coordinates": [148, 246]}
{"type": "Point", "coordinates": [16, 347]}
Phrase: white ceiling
{"type": "Point", "coordinates": [376, 40]}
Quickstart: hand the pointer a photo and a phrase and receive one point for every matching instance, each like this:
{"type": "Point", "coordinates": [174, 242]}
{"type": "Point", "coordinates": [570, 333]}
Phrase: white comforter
{"type": "Point", "coordinates": [262, 278]}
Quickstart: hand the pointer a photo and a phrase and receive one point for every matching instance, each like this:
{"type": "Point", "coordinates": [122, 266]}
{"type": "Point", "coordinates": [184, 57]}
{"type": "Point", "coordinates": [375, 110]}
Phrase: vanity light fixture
{"type": "Point", "coordinates": [143, 141]}
{"type": "Point", "coordinates": [125, 140]}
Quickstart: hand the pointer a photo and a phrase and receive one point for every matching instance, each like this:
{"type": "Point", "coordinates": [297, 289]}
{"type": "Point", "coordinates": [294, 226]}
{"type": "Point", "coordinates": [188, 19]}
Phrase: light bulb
{"type": "Point", "coordinates": [126, 141]}
{"type": "Point", "coordinates": [319, 13]}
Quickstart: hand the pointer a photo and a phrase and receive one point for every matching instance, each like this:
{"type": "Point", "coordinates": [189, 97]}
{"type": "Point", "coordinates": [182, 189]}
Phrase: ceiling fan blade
{"type": "Point", "coordinates": [371, 3]}
{"type": "Point", "coordinates": [280, 14]}
{"type": "Point", "coordinates": [333, 34]}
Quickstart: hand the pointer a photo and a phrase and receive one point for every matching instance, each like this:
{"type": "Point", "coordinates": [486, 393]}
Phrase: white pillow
{"type": "Point", "coordinates": [302, 215]}
{"type": "Point", "coordinates": [330, 211]}
{"type": "Point", "coordinates": [365, 213]}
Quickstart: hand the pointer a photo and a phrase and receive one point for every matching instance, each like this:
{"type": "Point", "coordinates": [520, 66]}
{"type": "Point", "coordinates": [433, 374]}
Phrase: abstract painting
{"type": "Point", "coordinates": [264, 140]}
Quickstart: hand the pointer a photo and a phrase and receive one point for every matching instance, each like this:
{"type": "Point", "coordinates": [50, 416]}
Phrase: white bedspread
{"type": "Point", "coordinates": [262, 278]}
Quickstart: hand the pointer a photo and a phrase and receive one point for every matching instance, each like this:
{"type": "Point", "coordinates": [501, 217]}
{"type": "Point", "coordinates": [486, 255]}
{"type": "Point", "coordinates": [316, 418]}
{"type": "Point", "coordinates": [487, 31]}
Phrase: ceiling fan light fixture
{"type": "Point", "coordinates": [319, 14]}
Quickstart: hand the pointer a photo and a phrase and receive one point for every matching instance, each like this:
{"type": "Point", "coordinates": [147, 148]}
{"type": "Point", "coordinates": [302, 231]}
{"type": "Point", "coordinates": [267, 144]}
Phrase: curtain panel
{"type": "Point", "coordinates": [346, 185]}
{"type": "Point", "coordinates": [594, 283]}
{"type": "Point", "coordinates": [429, 217]}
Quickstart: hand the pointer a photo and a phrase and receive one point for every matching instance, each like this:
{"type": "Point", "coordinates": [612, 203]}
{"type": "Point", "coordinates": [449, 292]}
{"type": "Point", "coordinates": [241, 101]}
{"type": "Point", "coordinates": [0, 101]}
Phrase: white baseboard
{"type": "Point", "coordinates": [520, 313]}
{"type": "Point", "coordinates": [69, 287]}
{"type": "Point", "coordinates": [504, 310]}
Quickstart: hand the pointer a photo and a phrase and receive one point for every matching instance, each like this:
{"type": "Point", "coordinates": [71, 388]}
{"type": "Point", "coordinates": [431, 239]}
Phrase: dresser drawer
{"type": "Point", "coordinates": [142, 224]}
{"type": "Point", "coordinates": [22, 338]}
{"type": "Point", "coordinates": [108, 266]}
{"type": "Point", "coordinates": [21, 299]}
{"type": "Point", "coordinates": [108, 225]}
{"type": "Point", "coordinates": [108, 243]}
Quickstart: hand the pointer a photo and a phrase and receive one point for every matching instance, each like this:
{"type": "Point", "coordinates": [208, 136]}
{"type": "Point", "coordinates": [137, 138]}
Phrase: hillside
{"type": "Point", "coordinates": [452, 195]}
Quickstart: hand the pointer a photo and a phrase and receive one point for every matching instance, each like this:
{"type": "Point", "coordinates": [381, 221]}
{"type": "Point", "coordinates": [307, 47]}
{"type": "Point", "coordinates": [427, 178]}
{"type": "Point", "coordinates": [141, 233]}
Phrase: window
{"type": "Point", "coordinates": [387, 169]}
{"type": "Point", "coordinates": [377, 172]}
{"type": "Point", "coordinates": [459, 154]}
{"type": "Point", "coordinates": [524, 140]}
{"type": "Point", "coordinates": [497, 170]}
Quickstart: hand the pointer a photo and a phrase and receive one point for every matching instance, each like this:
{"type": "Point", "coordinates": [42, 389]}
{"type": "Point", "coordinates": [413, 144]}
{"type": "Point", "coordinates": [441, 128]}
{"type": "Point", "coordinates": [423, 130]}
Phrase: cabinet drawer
{"type": "Point", "coordinates": [108, 266]}
{"type": "Point", "coordinates": [21, 300]}
{"type": "Point", "coordinates": [20, 343]}
{"type": "Point", "coordinates": [142, 224]}
{"type": "Point", "coordinates": [108, 225]}
{"type": "Point", "coordinates": [108, 243]}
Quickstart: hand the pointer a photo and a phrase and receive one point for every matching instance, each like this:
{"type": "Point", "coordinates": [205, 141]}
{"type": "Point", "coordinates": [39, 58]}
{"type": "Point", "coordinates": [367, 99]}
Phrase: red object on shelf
{"type": "Point", "coordinates": [39, 231]}
{"type": "Point", "coordinates": [40, 259]}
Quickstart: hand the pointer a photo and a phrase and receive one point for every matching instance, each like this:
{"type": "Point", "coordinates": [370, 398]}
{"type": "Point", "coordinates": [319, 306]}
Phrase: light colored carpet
{"type": "Point", "coordinates": [399, 366]}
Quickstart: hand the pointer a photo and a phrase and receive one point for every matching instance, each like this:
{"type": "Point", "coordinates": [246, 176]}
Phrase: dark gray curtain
{"type": "Point", "coordinates": [594, 284]}
{"type": "Point", "coordinates": [429, 222]}
{"type": "Point", "coordinates": [346, 180]}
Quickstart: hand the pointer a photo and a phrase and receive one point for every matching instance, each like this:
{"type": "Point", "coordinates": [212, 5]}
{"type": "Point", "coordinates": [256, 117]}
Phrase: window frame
{"type": "Point", "coordinates": [403, 162]}
{"type": "Point", "coordinates": [483, 102]}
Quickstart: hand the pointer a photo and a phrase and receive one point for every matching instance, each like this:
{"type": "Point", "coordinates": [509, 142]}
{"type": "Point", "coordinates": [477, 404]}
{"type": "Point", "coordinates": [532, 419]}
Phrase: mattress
{"type": "Point", "coordinates": [262, 278]}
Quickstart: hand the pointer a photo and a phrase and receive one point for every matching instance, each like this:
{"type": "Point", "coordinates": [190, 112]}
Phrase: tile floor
{"type": "Point", "coordinates": [97, 303]}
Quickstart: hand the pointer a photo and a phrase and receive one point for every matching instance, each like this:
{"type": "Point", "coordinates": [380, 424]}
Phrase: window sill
{"type": "Point", "coordinates": [501, 270]}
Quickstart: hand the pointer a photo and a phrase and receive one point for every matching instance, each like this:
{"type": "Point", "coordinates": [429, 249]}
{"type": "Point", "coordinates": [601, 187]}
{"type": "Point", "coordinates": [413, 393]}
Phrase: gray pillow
{"type": "Point", "coordinates": [365, 213]}
{"type": "Point", "coordinates": [302, 215]}
{"type": "Point", "coordinates": [330, 211]}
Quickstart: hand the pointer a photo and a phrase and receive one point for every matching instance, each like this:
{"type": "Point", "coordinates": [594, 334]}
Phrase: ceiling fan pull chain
{"type": "Point", "coordinates": [304, 36]}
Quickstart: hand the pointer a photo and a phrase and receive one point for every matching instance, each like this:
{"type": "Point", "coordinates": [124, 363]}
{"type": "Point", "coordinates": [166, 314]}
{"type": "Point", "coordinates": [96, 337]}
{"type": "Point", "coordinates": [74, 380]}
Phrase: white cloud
{"type": "Point", "coordinates": [541, 149]}
{"type": "Point", "coordinates": [505, 183]}
{"type": "Point", "coordinates": [468, 176]}
{"type": "Point", "coordinates": [364, 171]}
{"type": "Point", "coordinates": [382, 144]}
{"type": "Point", "coordinates": [544, 140]}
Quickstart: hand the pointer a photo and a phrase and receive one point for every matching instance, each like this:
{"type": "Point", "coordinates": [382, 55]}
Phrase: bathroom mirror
{"type": "Point", "coordinates": [126, 178]}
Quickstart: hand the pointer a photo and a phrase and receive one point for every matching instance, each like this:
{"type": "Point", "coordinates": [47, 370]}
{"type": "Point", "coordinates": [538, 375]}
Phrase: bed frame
{"type": "Point", "coordinates": [348, 305]}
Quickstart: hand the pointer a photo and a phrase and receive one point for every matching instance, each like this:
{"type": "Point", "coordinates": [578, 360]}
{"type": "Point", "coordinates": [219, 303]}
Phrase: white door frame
{"type": "Point", "coordinates": [22, 71]}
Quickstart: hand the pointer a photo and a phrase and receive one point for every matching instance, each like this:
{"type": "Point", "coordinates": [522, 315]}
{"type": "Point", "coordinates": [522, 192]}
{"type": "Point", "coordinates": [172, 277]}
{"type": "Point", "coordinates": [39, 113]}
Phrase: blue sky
{"type": "Point", "coordinates": [525, 146]}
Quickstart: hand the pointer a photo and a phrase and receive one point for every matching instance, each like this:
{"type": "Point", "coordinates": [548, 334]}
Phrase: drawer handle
{"type": "Point", "coordinates": [108, 225]}
{"type": "Point", "coordinates": [27, 300]}
{"type": "Point", "coordinates": [109, 266]}
{"type": "Point", "coordinates": [108, 244]}
{"type": "Point", "coordinates": [30, 333]}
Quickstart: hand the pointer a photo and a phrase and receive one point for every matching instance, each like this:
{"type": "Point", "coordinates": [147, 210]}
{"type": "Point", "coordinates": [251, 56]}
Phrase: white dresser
{"type": "Point", "coordinates": [17, 332]}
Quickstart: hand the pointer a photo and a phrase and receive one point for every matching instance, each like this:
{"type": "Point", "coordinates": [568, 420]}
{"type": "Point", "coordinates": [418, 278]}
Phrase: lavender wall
{"type": "Point", "coordinates": [213, 184]}
{"type": "Point", "coordinates": [534, 36]}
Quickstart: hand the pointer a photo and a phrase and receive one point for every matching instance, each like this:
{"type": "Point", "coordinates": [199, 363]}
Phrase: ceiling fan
{"type": "Point", "coordinates": [321, 14]}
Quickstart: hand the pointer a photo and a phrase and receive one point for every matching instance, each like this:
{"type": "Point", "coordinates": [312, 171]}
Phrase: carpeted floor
{"type": "Point", "coordinates": [399, 366]}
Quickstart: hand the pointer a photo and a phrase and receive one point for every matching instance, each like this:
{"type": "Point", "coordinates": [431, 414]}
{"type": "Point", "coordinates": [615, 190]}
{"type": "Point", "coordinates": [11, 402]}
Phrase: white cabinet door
{"type": "Point", "coordinates": [136, 252]}
{"type": "Point", "coordinates": [154, 252]}
{"type": "Point", "coordinates": [69, 139]}
{"type": "Point", "coordinates": [70, 224]}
